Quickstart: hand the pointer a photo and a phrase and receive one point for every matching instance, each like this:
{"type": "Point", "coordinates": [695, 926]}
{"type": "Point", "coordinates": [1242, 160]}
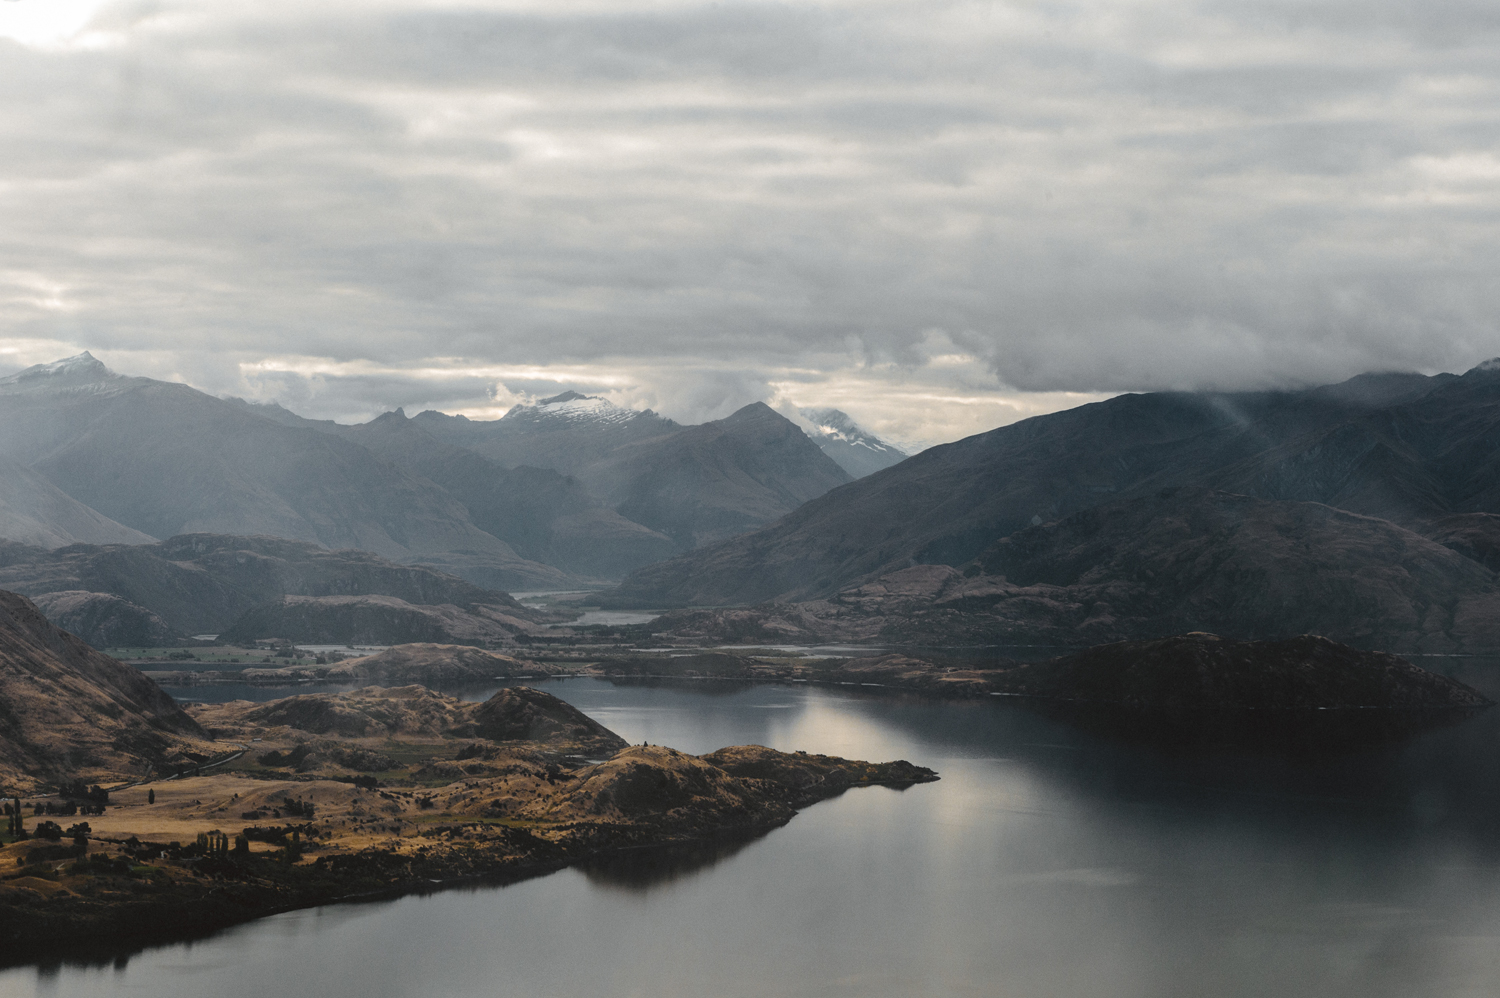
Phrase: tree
{"type": "Point", "coordinates": [49, 830]}
{"type": "Point", "coordinates": [150, 796]}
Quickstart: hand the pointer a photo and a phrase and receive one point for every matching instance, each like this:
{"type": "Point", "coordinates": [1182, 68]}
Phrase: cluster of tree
{"type": "Point", "coordinates": [275, 758]}
{"type": "Point", "coordinates": [86, 794]}
{"type": "Point", "coordinates": [15, 821]}
{"type": "Point", "coordinates": [66, 808]}
{"type": "Point", "coordinates": [214, 843]}
{"type": "Point", "coordinates": [53, 832]}
{"type": "Point", "coordinates": [104, 865]}
{"type": "Point", "coordinates": [362, 782]}
{"type": "Point", "coordinates": [278, 835]}
{"type": "Point", "coordinates": [298, 808]}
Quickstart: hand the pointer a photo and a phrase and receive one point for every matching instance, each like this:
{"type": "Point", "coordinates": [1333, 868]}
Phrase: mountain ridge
{"type": "Point", "coordinates": [1408, 448]}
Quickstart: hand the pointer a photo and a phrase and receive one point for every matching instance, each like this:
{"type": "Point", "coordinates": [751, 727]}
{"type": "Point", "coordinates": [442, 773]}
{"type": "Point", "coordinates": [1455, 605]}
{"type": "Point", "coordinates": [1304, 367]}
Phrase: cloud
{"type": "Point", "coordinates": [939, 216]}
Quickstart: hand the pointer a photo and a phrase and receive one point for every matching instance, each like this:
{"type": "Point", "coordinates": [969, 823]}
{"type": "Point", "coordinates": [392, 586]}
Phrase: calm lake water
{"type": "Point", "coordinates": [1047, 862]}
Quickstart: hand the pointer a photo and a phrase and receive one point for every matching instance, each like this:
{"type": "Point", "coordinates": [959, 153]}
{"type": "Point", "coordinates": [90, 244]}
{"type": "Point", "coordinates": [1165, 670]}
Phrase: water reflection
{"type": "Point", "coordinates": [642, 869]}
{"type": "Point", "coordinates": [1051, 859]}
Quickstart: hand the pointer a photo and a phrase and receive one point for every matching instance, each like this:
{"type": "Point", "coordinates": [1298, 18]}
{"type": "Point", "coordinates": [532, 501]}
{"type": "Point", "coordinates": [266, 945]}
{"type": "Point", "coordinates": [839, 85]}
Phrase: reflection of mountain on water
{"type": "Point", "coordinates": [1284, 732]}
{"type": "Point", "coordinates": [639, 870]}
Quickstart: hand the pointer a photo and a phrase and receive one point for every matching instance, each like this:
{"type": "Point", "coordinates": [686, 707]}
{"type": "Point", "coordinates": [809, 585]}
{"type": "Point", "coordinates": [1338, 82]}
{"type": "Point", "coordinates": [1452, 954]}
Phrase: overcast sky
{"type": "Point", "coordinates": [940, 217]}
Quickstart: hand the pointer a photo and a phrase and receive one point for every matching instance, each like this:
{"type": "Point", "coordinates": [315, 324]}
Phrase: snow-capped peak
{"type": "Point", "coordinates": [856, 450]}
{"type": "Point", "coordinates": [575, 407]}
{"type": "Point", "coordinates": [835, 424]}
{"type": "Point", "coordinates": [82, 369]}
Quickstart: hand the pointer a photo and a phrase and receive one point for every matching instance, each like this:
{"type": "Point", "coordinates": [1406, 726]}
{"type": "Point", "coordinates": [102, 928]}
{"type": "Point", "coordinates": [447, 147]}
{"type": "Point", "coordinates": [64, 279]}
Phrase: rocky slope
{"type": "Point", "coordinates": [430, 664]}
{"type": "Point", "coordinates": [1181, 560]}
{"type": "Point", "coordinates": [104, 620]}
{"type": "Point", "coordinates": [514, 714]}
{"type": "Point", "coordinates": [69, 713]}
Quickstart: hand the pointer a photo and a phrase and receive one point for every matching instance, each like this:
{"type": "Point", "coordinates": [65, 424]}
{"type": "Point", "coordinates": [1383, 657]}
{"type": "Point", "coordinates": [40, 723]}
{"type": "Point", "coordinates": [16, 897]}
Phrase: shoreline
{"type": "Point", "coordinates": [110, 902]}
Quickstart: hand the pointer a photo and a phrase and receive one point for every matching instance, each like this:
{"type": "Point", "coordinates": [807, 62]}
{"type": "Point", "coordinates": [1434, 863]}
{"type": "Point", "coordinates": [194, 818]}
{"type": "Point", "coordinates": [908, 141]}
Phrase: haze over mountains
{"type": "Point", "coordinates": [1368, 511]}
{"type": "Point", "coordinates": [694, 484]}
{"type": "Point", "coordinates": [566, 491]}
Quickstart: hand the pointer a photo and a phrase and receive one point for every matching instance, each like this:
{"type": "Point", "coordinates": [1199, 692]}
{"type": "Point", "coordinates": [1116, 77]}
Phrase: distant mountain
{"type": "Point", "coordinates": [105, 620]}
{"type": "Point", "coordinates": [380, 620]}
{"type": "Point", "coordinates": [34, 511]}
{"type": "Point", "coordinates": [205, 583]}
{"type": "Point", "coordinates": [165, 459]}
{"type": "Point", "coordinates": [1408, 448]}
{"type": "Point", "coordinates": [567, 433]}
{"type": "Point", "coordinates": [72, 713]}
{"type": "Point", "coordinates": [694, 484]}
{"type": "Point", "coordinates": [856, 450]}
{"type": "Point", "coordinates": [544, 515]}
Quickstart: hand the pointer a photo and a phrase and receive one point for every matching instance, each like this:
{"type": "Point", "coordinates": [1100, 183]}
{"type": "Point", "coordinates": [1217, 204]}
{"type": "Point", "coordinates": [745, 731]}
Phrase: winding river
{"type": "Point", "coordinates": [1047, 862]}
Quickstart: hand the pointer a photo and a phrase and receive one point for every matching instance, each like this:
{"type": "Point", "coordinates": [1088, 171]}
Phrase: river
{"type": "Point", "coordinates": [1047, 862]}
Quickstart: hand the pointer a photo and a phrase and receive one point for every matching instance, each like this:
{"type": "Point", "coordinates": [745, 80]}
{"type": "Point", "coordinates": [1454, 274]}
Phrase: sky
{"type": "Point", "coordinates": [937, 216]}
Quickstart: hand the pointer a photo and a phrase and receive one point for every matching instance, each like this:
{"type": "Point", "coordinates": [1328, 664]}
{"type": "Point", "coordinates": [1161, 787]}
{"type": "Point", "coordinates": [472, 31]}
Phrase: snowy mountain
{"type": "Point", "coordinates": [576, 409]}
{"type": "Point", "coordinates": [857, 451]}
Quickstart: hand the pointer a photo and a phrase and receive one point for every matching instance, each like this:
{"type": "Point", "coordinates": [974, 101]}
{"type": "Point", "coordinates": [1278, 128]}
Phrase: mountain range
{"type": "Point", "coordinates": [1407, 448]}
{"type": "Point", "coordinates": [1364, 511]}
{"type": "Point", "coordinates": [569, 491]}
{"type": "Point", "coordinates": [692, 484]}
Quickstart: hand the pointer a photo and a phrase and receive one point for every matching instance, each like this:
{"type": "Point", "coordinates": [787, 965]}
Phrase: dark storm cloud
{"type": "Point", "coordinates": [921, 211]}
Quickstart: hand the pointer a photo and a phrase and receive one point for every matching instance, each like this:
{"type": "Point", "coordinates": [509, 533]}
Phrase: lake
{"type": "Point", "coordinates": [1048, 861]}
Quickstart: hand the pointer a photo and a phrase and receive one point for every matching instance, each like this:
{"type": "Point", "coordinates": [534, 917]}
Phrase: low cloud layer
{"type": "Point", "coordinates": [937, 216]}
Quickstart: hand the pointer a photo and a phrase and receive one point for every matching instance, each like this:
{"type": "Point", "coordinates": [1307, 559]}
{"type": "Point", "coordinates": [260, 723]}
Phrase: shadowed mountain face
{"type": "Point", "coordinates": [694, 484]}
{"type": "Point", "coordinates": [34, 511]}
{"type": "Point", "coordinates": [68, 712]}
{"type": "Point", "coordinates": [204, 583]}
{"type": "Point", "coordinates": [1406, 448]}
{"type": "Point", "coordinates": [1180, 560]}
{"type": "Point", "coordinates": [106, 621]}
{"type": "Point", "coordinates": [166, 459]}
